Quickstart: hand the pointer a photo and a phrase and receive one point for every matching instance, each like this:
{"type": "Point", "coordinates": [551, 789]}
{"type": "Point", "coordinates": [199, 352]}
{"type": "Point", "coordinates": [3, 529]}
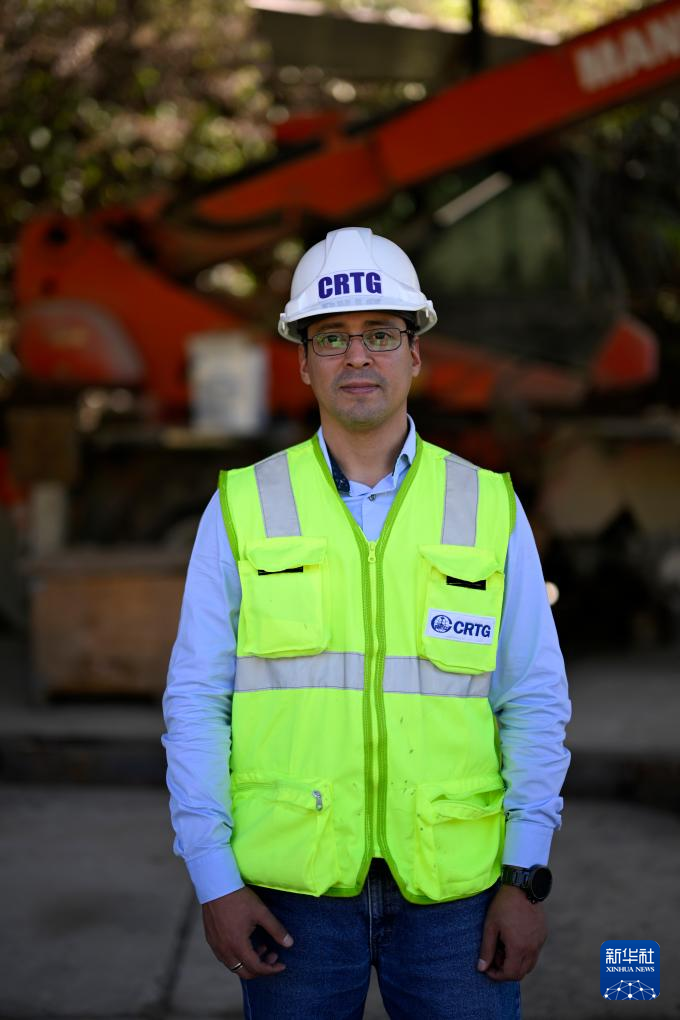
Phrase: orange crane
{"type": "Point", "coordinates": [102, 298]}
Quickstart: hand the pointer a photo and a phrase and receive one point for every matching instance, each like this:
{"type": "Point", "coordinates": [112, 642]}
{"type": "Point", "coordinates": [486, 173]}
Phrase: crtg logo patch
{"type": "Point", "coordinates": [442, 623]}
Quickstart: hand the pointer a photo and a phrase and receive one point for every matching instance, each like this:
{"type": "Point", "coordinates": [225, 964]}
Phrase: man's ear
{"type": "Point", "coordinates": [302, 362]}
{"type": "Point", "coordinates": [414, 345]}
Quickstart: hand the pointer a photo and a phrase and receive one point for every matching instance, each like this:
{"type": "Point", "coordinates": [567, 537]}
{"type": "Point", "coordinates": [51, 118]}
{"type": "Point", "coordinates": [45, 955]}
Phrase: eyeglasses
{"type": "Point", "coordinates": [377, 340]}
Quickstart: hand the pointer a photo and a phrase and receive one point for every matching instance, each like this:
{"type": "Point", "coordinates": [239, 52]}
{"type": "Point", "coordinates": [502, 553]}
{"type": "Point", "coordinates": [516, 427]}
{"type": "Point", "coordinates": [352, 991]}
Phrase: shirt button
{"type": "Point", "coordinates": [372, 497]}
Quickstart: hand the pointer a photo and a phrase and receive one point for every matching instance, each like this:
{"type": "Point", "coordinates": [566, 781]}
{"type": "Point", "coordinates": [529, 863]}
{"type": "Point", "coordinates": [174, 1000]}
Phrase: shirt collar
{"type": "Point", "coordinates": [405, 458]}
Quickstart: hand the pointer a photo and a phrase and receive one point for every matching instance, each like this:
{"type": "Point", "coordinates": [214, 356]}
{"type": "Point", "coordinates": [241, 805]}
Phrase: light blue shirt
{"type": "Point", "coordinates": [528, 693]}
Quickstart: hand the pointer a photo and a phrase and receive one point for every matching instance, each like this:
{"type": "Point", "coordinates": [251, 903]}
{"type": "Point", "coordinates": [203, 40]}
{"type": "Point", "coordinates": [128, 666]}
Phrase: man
{"type": "Point", "coordinates": [365, 617]}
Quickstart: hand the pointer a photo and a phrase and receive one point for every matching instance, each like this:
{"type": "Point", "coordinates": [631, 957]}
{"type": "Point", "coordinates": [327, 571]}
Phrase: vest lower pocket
{"type": "Point", "coordinates": [462, 592]}
{"type": "Point", "coordinates": [283, 834]}
{"type": "Point", "coordinates": [459, 835]}
{"type": "Point", "coordinates": [284, 606]}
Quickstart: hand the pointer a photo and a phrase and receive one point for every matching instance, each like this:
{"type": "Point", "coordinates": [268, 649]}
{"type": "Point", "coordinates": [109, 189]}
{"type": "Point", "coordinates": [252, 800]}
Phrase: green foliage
{"type": "Point", "coordinates": [104, 99]}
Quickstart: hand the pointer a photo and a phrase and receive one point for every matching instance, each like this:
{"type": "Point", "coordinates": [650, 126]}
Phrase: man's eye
{"type": "Point", "coordinates": [331, 339]}
{"type": "Point", "coordinates": [380, 337]}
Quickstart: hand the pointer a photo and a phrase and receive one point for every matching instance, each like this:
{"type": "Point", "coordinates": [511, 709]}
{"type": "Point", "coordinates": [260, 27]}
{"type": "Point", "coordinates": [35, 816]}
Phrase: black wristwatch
{"type": "Point", "coordinates": [535, 882]}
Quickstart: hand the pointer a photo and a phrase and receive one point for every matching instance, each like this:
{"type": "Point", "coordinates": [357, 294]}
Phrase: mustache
{"type": "Point", "coordinates": [353, 380]}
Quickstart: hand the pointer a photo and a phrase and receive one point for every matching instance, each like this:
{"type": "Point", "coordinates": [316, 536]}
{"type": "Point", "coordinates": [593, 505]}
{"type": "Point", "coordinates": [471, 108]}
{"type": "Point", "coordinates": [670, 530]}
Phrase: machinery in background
{"type": "Point", "coordinates": [142, 375]}
{"type": "Point", "coordinates": [108, 300]}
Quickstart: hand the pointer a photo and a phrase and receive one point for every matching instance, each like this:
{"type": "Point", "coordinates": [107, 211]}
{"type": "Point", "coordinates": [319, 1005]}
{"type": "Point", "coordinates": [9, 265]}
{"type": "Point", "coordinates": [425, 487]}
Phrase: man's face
{"type": "Point", "coordinates": [360, 389]}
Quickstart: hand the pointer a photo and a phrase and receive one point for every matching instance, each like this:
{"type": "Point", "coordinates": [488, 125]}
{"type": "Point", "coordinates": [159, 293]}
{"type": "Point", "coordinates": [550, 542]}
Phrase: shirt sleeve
{"type": "Point", "coordinates": [529, 696]}
{"type": "Point", "coordinates": [197, 711]}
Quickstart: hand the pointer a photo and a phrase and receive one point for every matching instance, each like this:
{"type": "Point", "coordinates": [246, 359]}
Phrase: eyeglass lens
{"type": "Point", "coordinates": [384, 338]}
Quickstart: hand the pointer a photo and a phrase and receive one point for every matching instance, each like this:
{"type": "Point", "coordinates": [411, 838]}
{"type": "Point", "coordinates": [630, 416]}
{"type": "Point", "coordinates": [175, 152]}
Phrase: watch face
{"type": "Point", "coordinates": [541, 882]}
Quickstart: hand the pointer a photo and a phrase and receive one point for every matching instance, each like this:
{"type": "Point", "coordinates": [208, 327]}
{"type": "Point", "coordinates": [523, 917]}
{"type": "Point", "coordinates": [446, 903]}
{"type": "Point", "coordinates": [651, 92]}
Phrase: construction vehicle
{"type": "Point", "coordinates": [107, 302]}
{"type": "Point", "coordinates": [103, 301]}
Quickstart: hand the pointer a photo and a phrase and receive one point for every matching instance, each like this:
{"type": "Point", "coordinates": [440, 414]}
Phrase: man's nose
{"type": "Point", "coordinates": [356, 353]}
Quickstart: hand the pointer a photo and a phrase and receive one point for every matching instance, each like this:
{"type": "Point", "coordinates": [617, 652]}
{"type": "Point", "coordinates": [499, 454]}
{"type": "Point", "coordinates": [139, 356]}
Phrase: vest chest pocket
{"type": "Point", "coordinates": [286, 590]}
{"type": "Point", "coordinates": [462, 592]}
{"type": "Point", "coordinates": [283, 832]}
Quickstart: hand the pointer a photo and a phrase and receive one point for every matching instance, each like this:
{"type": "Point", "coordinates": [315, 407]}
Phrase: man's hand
{"type": "Point", "coordinates": [230, 920]}
{"type": "Point", "coordinates": [514, 931]}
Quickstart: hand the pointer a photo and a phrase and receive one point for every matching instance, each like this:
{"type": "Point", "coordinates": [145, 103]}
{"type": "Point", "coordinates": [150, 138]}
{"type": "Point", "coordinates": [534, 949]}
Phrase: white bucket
{"type": "Point", "coordinates": [228, 384]}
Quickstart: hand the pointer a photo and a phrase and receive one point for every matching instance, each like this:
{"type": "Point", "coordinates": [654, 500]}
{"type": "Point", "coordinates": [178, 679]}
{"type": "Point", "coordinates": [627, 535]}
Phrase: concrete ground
{"type": "Point", "coordinates": [100, 921]}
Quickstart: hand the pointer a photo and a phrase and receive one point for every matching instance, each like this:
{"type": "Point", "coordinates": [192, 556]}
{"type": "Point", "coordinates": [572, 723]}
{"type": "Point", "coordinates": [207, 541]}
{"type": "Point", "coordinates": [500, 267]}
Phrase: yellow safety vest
{"type": "Point", "coordinates": [361, 724]}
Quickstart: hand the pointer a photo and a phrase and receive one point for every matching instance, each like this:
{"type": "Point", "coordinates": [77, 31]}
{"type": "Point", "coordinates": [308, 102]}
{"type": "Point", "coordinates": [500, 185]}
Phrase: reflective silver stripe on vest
{"type": "Point", "coordinates": [460, 502]}
{"type": "Point", "coordinates": [345, 671]}
{"type": "Point", "coordinates": [342, 670]}
{"type": "Point", "coordinates": [277, 501]}
{"type": "Point", "coordinates": [405, 675]}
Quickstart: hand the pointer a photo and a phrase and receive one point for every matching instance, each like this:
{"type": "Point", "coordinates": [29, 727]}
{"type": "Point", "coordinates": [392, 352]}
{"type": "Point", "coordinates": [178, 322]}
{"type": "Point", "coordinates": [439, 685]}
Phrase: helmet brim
{"type": "Point", "coordinates": [420, 320]}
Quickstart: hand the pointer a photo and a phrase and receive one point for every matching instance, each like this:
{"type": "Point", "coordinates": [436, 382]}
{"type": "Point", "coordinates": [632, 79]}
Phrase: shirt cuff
{"type": "Point", "coordinates": [526, 843]}
{"type": "Point", "coordinates": [215, 874]}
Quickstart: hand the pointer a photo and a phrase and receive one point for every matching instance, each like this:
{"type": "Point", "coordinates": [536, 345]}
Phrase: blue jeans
{"type": "Point", "coordinates": [425, 957]}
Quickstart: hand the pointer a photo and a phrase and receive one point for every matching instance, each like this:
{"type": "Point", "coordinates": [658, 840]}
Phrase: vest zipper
{"type": "Point", "coordinates": [372, 653]}
{"type": "Point", "coordinates": [380, 709]}
{"type": "Point", "coordinates": [381, 743]}
{"type": "Point", "coordinates": [366, 708]}
{"type": "Point", "coordinates": [371, 564]}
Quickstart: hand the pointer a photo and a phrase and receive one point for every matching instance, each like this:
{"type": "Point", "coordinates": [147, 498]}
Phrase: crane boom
{"type": "Point", "coordinates": [466, 121]}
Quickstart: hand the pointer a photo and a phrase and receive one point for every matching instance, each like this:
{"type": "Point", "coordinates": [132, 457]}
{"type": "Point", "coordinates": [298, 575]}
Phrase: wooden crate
{"type": "Point", "coordinates": [104, 622]}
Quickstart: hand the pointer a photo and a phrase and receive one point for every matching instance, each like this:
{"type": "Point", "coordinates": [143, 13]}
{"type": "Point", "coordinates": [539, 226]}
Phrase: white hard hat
{"type": "Point", "coordinates": [354, 270]}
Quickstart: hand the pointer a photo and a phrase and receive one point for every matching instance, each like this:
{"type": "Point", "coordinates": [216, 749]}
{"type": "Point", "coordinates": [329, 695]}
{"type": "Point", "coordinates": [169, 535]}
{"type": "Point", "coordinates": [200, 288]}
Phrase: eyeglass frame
{"type": "Point", "coordinates": [350, 336]}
